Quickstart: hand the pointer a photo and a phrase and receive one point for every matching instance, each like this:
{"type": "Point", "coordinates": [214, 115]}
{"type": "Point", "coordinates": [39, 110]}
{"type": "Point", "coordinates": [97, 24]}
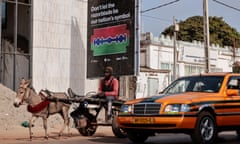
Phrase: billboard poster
{"type": "Point", "coordinates": [111, 37]}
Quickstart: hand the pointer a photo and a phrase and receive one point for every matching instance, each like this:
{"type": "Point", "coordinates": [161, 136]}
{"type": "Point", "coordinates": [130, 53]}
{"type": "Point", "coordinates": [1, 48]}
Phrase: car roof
{"type": "Point", "coordinates": [216, 74]}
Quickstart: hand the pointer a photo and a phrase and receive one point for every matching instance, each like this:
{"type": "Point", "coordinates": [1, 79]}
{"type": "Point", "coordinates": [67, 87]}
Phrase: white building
{"type": "Point", "coordinates": [157, 54]}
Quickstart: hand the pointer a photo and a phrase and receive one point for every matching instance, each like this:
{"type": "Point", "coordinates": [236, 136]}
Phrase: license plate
{"type": "Point", "coordinates": [143, 120]}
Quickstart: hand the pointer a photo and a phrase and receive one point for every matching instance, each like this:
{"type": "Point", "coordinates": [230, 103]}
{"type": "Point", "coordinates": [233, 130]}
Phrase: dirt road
{"type": "Point", "coordinates": [20, 135]}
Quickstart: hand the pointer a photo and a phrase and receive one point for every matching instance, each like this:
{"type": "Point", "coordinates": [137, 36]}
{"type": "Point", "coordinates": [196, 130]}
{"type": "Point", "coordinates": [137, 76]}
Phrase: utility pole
{"type": "Point", "coordinates": [15, 44]}
{"type": "Point", "coordinates": [1, 56]}
{"type": "Point", "coordinates": [206, 35]}
{"type": "Point", "coordinates": [176, 29]}
{"type": "Point", "coordinates": [234, 50]}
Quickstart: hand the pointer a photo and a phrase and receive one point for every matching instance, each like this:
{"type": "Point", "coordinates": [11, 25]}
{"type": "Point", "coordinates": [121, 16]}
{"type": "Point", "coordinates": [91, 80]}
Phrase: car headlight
{"type": "Point", "coordinates": [175, 108]}
{"type": "Point", "coordinates": [126, 109]}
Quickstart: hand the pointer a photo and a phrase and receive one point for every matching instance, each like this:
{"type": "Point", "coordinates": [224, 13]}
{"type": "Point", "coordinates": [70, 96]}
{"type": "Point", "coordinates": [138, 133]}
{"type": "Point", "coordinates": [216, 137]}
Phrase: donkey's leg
{"type": "Point", "coordinates": [45, 127]}
{"type": "Point", "coordinates": [30, 127]}
{"type": "Point", "coordinates": [64, 114]}
{"type": "Point", "coordinates": [68, 125]}
{"type": "Point", "coordinates": [68, 121]}
{"type": "Point", "coordinates": [34, 119]}
{"type": "Point", "coordinates": [63, 127]}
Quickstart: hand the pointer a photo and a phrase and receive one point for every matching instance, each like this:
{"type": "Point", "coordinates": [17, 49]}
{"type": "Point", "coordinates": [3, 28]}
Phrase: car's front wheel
{"type": "Point", "coordinates": [205, 131]}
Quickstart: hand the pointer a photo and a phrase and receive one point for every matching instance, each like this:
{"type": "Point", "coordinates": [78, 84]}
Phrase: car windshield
{"type": "Point", "coordinates": [195, 84]}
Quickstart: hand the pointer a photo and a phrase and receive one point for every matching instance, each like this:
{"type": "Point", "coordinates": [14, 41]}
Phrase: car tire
{"type": "Point", "coordinates": [205, 131]}
{"type": "Point", "coordinates": [137, 137]}
{"type": "Point", "coordinates": [118, 132]}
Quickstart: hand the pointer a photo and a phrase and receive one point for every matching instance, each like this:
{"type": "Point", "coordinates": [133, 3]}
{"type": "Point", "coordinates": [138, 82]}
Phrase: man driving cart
{"type": "Point", "coordinates": [108, 89]}
{"type": "Point", "coordinates": [85, 116]}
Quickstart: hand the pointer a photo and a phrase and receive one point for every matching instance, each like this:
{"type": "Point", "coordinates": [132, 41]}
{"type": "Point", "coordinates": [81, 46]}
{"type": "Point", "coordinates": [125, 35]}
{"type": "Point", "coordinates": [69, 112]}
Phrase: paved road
{"type": "Point", "coordinates": [104, 135]}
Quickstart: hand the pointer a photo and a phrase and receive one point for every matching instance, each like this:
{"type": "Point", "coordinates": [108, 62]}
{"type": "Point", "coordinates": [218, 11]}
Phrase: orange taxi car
{"type": "Point", "coordinates": [200, 105]}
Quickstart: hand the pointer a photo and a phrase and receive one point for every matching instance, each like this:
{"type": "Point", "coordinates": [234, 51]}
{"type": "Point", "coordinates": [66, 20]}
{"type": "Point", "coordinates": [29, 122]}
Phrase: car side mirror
{"type": "Point", "coordinates": [232, 92]}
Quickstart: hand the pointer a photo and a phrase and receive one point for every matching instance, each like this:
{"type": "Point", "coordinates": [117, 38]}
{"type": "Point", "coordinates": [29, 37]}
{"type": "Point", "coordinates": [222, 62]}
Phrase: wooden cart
{"type": "Point", "coordinates": [86, 111]}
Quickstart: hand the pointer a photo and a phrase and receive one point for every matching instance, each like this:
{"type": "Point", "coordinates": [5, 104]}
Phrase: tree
{"type": "Point", "coordinates": [220, 32]}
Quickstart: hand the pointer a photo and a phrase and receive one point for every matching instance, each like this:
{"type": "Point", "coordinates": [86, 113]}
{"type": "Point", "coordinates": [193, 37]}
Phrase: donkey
{"type": "Point", "coordinates": [39, 106]}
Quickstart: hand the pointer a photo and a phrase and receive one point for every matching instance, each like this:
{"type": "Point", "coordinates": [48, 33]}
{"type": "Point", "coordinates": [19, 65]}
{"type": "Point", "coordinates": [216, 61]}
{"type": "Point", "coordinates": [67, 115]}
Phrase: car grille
{"type": "Point", "coordinates": [147, 109]}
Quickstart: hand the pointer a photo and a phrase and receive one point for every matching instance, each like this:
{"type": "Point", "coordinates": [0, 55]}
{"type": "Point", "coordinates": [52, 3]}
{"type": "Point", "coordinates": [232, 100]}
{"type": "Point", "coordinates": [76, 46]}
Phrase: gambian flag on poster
{"type": "Point", "coordinates": [110, 40]}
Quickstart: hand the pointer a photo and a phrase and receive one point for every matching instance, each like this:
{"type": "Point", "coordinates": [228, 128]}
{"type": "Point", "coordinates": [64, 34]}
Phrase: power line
{"type": "Point", "coordinates": [226, 5]}
{"type": "Point", "coordinates": [160, 6]}
{"type": "Point", "coordinates": [157, 18]}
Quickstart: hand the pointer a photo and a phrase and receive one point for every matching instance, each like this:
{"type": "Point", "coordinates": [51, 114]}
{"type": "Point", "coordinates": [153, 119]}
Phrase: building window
{"type": "Point", "coordinates": [193, 69]}
{"type": "Point", "coordinates": [168, 66]}
{"type": "Point", "coordinates": [165, 66]}
{"type": "Point", "coordinates": [16, 39]}
{"type": "Point", "coordinates": [216, 70]}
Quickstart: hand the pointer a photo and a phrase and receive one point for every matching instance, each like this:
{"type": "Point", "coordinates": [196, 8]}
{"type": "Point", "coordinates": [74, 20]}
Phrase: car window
{"type": "Point", "coordinates": [198, 86]}
{"type": "Point", "coordinates": [234, 83]}
{"type": "Point", "coordinates": [179, 87]}
{"type": "Point", "coordinates": [195, 84]}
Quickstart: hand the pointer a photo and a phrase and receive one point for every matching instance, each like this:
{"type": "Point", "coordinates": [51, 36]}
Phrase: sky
{"type": "Point", "coordinates": [157, 20]}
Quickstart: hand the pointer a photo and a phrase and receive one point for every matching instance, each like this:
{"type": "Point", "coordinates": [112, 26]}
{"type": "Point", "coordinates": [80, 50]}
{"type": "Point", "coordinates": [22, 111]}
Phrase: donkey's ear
{"type": "Point", "coordinates": [28, 82]}
{"type": "Point", "coordinates": [23, 81]}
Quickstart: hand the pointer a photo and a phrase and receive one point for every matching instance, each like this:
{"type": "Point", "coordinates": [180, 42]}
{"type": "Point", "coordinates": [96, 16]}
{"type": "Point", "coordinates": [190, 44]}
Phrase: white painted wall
{"type": "Point", "coordinates": [224, 62]}
{"type": "Point", "coordinates": [143, 83]}
{"type": "Point", "coordinates": [59, 45]}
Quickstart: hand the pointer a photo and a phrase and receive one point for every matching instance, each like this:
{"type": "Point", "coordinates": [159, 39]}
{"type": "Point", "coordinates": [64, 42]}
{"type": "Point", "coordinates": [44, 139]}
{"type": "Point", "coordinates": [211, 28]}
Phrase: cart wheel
{"type": "Point", "coordinates": [118, 132]}
{"type": "Point", "coordinates": [90, 129]}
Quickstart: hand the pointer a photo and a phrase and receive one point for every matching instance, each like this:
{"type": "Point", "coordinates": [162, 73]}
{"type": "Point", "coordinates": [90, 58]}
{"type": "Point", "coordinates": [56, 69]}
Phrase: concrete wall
{"type": "Point", "coordinates": [59, 45]}
{"type": "Point", "coordinates": [146, 88]}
